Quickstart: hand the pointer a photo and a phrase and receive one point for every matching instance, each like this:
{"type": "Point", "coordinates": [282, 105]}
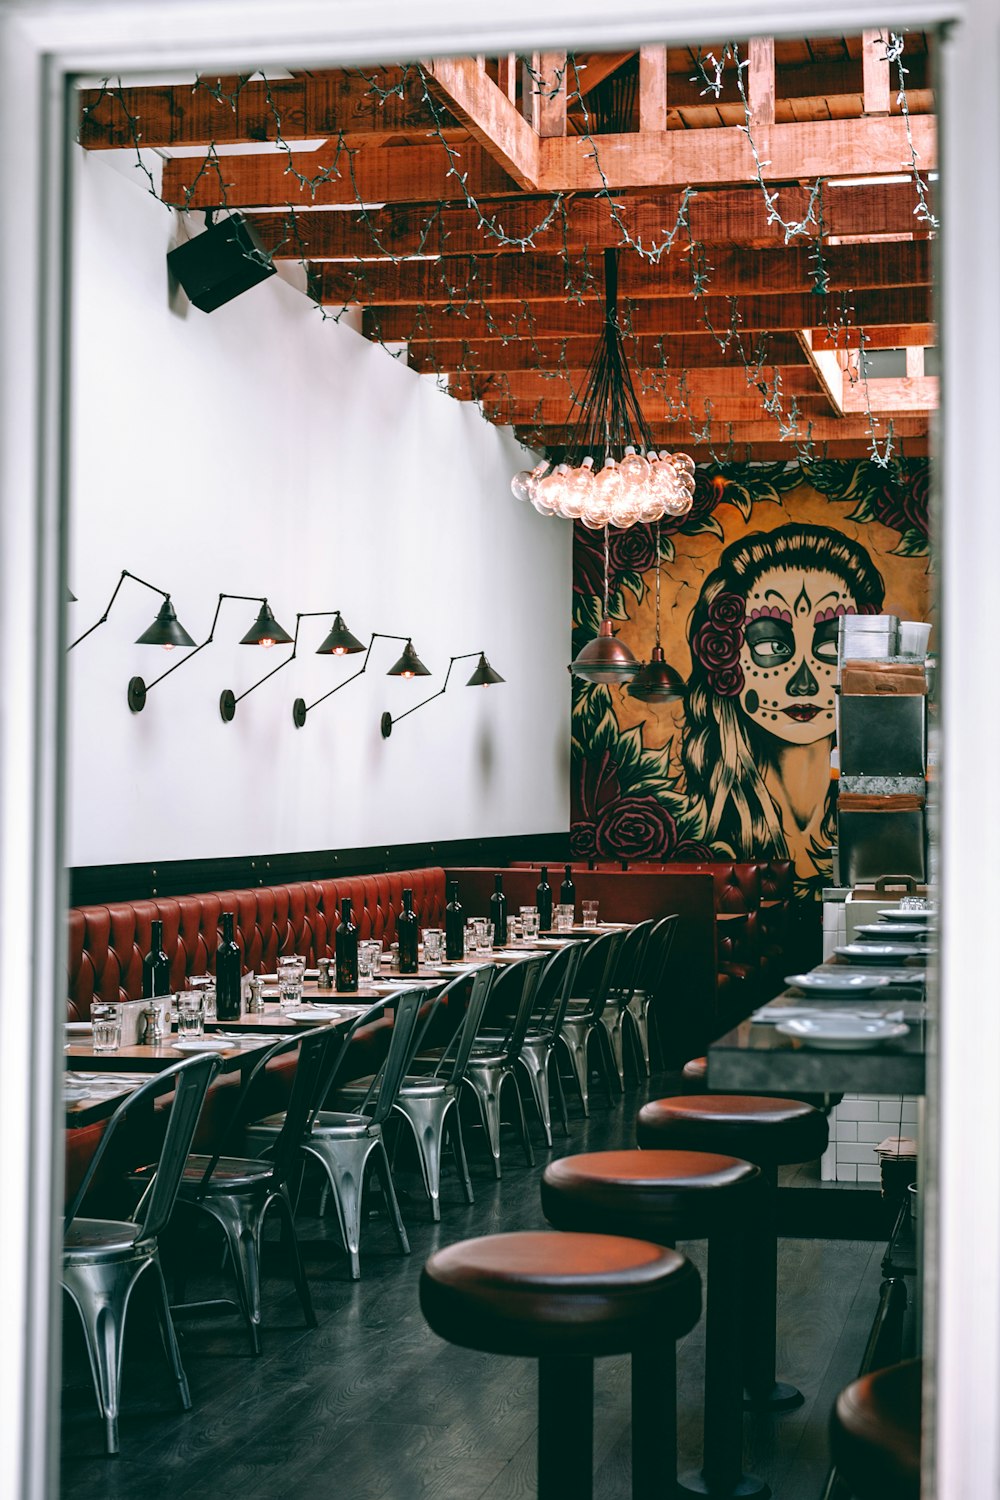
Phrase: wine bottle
{"type": "Point", "coordinates": [498, 913]}
{"type": "Point", "coordinates": [407, 935]}
{"type": "Point", "coordinates": [543, 900]}
{"type": "Point", "coordinates": [227, 973]}
{"type": "Point", "coordinates": [454, 924]}
{"type": "Point", "coordinates": [567, 891]}
{"type": "Point", "coordinates": [155, 966]}
{"type": "Point", "coordinates": [346, 949]}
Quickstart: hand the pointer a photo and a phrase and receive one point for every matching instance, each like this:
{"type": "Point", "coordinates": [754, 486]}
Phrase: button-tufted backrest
{"type": "Point", "coordinates": [107, 943]}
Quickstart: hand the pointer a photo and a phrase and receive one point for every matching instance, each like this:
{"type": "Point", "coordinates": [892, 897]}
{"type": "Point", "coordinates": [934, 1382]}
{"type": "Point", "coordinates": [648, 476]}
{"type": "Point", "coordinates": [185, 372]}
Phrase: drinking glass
{"type": "Point", "coordinates": [291, 969]}
{"type": "Point", "coordinates": [484, 937]}
{"type": "Point", "coordinates": [190, 1014]}
{"type": "Point", "coordinates": [514, 931]}
{"type": "Point", "coordinates": [589, 913]}
{"type": "Point", "coordinates": [433, 945]}
{"type": "Point", "coordinates": [205, 983]}
{"type": "Point", "coordinates": [369, 959]}
{"type": "Point", "coordinates": [564, 918]}
{"type": "Point", "coordinates": [470, 937]}
{"type": "Point", "coordinates": [106, 1022]}
{"type": "Point", "coordinates": [529, 922]}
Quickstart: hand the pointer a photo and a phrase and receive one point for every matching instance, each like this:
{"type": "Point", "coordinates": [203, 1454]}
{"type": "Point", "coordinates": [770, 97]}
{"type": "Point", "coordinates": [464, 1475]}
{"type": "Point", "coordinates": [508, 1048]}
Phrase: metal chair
{"type": "Point", "coordinates": [428, 1101]}
{"type": "Point", "coordinates": [104, 1258]}
{"type": "Point", "coordinates": [552, 998]}
{"type": "Point", "coordinates": [237, 1190]}
{"type": "Point", "coordinates": [494, 1061]}
{"type": "Point", "coordinates": [623, 984]}
{"type": "Point", "coordinates": [344, 1141]}
{"type": "Point", "coordinates": [583, 1015]}
{"type": "Point", "coordinates": [652, 976]}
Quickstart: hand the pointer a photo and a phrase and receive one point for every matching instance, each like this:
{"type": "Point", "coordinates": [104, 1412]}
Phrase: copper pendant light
{"type": "Point", "coordinates": [657, 681]}
{"type": "Point", "coordinates": [605, 658]}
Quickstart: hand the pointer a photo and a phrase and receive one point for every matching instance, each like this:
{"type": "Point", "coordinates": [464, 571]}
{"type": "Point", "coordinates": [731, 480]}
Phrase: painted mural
{"type": "Point", "coordinates": [754, 581]}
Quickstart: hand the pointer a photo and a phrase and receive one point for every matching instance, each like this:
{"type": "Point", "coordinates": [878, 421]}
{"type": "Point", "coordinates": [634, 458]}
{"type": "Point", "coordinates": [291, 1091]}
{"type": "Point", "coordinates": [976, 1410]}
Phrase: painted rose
{"type": "Point", "coordinates": [728, 681]}
{"type": "Point", "coordinates": [707, 495]}
{"type": "Point", "coordinates": [597, 786]}
{"type": "Point", "coordinates": [717, 648]}
{"type": "Point", "coordinates": [631, 551]}
{"type": "Point", "coordinates": [901, 501]}
{"type": "Point", "coordinates": [582, 840]}
{"type": "Point", "coordinates": [727, 610]}
{"type": "Point", "coordinates": [588, 561]}
{"type": "Point", "coordinates": [636, 828]}
{"type": "Point", "coordinates": [690, 852]}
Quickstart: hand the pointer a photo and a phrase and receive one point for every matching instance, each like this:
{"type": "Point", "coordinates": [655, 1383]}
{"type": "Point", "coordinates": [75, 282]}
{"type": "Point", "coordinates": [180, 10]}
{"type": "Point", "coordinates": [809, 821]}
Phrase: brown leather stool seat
{"type": "Point", "coordinates": [564, 1299]}
{"type": "Point", "coordinates": [667, 1196]}
{"type": "Point", "coordinates": [770, 1132]}
{"type": "Point", "coordinates": [875, 1433]}
{"type": "Point", "coordinates": [695, 1072]}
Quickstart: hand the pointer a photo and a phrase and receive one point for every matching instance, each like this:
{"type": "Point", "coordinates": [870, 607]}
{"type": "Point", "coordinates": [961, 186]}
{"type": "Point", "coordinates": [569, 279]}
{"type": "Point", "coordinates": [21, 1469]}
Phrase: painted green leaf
{"type": "Point", "coordinates": [912, 543]}
{"type": "Point", "coordinates": [633, 582]}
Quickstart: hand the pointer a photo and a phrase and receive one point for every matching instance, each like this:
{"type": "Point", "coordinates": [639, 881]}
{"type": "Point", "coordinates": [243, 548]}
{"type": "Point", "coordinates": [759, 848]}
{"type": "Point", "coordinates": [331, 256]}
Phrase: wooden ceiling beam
{"type": "Point", "coordinates": [652, 89]}
{"type": "Point", "coordinates": [760, 451]}
{"type": "Point", "coordinates": [514, 411]}
{"type": "Point", "coordinates": [921, 335]}
{"type": "Point", "coordinates": [688, 351]}
{"type": "Point", "coordinates": [728, 216]}
{"type": "Point", "coordinates": [790, 152]}
{"type": "Point", "coordinates": [720, 386]}
{"type": "Point", "coordinates": [884, 394]}
{"type": "Point", "coordinates": [549, 93]}
{"type": "Point", "coordinates": [323, 105]}
{"type": "Point", "coordinates": [392, 174]}
{"type": "Point", "coordinates": [491, 119]}
{"type": "Point", "coordinates": [548, 278]}
{"type": "Point", "coordinates": [668, 316]}
{"type": "Point", "coordinates": [875, 72]}
{"type": "Point", "coordinates": [760, 81]}
{"type": "Point", "coordinates": [763, 430]}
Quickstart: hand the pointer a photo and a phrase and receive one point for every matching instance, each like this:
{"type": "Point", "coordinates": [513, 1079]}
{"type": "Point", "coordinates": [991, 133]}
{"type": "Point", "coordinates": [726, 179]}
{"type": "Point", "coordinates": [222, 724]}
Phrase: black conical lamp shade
{"type": "Point", "coordinates": [166, 629]}
{"type": "Point", "coordinates": [484, 675]}
{"type": "Point", "coordinates": [265, 630]}
{"type": "Point", "coordinates": [340, 641]}
{"type": "Point", "coordinates": [605, 658]}
{"type": "Point", "coordinates": [657, 681]}
{"type": "Point", "coordinates": [409, 664]}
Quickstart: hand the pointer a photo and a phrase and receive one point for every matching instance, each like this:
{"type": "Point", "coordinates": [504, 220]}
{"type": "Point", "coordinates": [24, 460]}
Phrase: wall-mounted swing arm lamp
{"type": "Point", "coordinates": [166, 630]}
{"type": "Point", "coordinates": [265, 631]}
{"type": "Point", "coordinates": [483, 676]}
{"type": "Point", "coordinates": [338, 642]}
{"type": "Point", "coordinates": [409, 665]}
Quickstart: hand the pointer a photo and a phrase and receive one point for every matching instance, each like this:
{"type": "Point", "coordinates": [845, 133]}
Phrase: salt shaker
{"type": "Point", "coordinates": [255, 997]}
{"type": "Point", "coordinates": [325, 981]}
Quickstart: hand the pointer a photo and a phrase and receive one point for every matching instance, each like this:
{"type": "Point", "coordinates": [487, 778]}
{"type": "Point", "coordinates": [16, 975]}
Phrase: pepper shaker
{"type": "Point", "coordinates": [255, 997]}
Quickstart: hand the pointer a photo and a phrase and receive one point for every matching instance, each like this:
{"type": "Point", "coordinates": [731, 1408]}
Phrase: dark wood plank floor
{"type": "Point", "coordinates": [372, 1406]}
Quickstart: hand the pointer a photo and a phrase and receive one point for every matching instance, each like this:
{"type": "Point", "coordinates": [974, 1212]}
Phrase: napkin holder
{"type": "Point", "coordinates": [130, 1013]}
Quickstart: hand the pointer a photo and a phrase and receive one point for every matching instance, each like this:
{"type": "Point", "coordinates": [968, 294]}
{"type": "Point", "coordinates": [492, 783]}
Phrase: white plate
{"type": "Point", "coordinates": [203, 1044]}
{"type": "Point", "coordinates": [899, 932]}
{"type": "Point", "coordinates": [847, 983]}
{"type": "Point", "coordinates": [880, 953]}
{"type": "Point", "coordinates": [79, 1028]}
{"type": "Point", "coordinates": [73, 1093]}
{"type": "Point", "coordinates": [387, 987]}
{"type": "Point", "coordinates": [842, 1033]}
{"type": "Point", "coordinates": [894, 914]}
{"type": "Point", "coordinates": [317, 1013]}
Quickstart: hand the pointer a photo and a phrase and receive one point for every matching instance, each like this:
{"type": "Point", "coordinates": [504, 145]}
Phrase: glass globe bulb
{"type": "Point", "coordinates": [608, 484]}
{"type": "Point", "coordinates": [628, 507]}
{"type": "Point", "coordinates": [549, 493]}
{"type": "Point", "coordinates": [519, 485]}
{"type": "Point", "coordinates": [684, 462]}
{"type": "Point", "coordinates": [576, 490]}
{"type": "Point", "coordinates": [633, 468]}
{"type": "Point", "coordinates": [653, 508]}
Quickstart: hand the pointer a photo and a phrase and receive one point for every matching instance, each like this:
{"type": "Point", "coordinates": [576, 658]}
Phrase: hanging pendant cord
{"type": "Point", "coordinates": [607, 555]}
{"type": "Point", "coordinates": [657, 583]}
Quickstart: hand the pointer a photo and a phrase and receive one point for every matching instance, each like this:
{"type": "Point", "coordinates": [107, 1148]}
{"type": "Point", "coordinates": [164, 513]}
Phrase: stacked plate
{"type": "Point", "coordinates": [843, 1033]}
{"type": "Point", "coordinates": [838, 986]}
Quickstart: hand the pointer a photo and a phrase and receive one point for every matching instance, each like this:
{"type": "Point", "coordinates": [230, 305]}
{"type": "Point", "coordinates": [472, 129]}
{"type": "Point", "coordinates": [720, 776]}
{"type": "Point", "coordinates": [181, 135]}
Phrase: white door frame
{"type": "Point", "coordinates": [42, 42]}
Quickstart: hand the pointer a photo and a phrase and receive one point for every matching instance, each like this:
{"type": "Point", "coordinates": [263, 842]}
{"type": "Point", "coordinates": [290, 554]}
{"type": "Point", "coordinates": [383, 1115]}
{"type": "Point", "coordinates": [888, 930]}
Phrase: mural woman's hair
{"type": "Point", "coordinates": [724, 752]}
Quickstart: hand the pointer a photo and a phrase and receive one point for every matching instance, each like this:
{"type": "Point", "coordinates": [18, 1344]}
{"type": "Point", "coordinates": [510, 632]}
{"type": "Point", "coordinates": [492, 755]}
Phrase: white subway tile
{"type": "Point", "coordinates": [868, 1174]}
{"type": "Point", "coordinates": [858, 1109]}
{"type": "Point", "coordinates": [846, 1174]}
{"type": "Point", "coordinates": [860, 1151]}
{"type": "Point", "coordinates": [846, 1130]}
{"type": "Point", "coordinates": [871, 1130]}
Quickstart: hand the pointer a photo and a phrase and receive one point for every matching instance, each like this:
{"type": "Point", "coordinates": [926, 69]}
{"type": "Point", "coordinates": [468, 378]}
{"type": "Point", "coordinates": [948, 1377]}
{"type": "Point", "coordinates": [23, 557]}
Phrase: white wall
{"type": "Point", "coordinates": [259, 450]}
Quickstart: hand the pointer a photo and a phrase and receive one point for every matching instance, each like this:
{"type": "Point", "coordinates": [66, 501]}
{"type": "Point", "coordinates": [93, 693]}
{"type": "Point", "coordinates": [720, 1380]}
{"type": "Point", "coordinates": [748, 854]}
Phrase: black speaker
{"type": "Point", "coordinates": [219, 264]}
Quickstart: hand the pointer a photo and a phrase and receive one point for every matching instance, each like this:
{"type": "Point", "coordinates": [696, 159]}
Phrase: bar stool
{"type": "Point", "coordinates": [875, 1433]}
{"type": "Point", "coordinates": [769, 1132]}
{"type": "Point", "coordinates": [668, 1196]}
{"type": "Point", "coordinates": [563, 1299]}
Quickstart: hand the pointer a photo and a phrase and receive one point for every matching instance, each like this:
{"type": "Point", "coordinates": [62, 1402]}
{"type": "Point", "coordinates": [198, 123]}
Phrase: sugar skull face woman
{"type": "Point", "coordinates": [761, 712]}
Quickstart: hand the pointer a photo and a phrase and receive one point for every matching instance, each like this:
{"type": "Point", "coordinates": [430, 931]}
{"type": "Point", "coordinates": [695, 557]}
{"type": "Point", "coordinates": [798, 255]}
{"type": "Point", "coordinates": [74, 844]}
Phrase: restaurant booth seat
{"type": "Point", "coordinates": [770, 1132]}
{"type": "Point", "coordinates": [668, 1196]}
{"type": "Point", "coordinates": [564, 1299]}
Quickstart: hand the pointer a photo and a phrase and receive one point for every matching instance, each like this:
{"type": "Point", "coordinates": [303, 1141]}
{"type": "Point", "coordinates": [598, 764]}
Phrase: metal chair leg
{"type": "Point", "coordinates": [563, 1112]}
{"type": "Point", "coordinates": [485, 1081]}
{"type": "Point", "coordinates": [236, 1218]}
{"type": "Point", "coordinates": [454, 1126]}
{"type": "Point", "coordinates": [529, 1154]}
{"type": "Point", "coordinates": [425, 1116]}
{"type": "Point", "coordinates": [344, 1164]}
{"type": "Point", "coordinates": [101, 1292]}
{"type": "Point", "coordinates": [169, 1337]}
{"type": "Point", "coordinates": [284, 1204]}
{"type": "Point", "coordinates": [637, 1012]}
{"type": "Point", "coordinates": [574, 1038]}
{"type": "Point", "coordinates": [389, 1194]}
{"type": "Point", "coordinates": [535, 1060]}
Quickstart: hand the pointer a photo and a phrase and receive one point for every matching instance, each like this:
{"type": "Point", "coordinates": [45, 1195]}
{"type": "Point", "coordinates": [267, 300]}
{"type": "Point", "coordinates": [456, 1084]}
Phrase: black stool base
{"type": "Point", "coordinates": [781, 1397]}
{"type": "Point", "coordinates": [748, 1487]}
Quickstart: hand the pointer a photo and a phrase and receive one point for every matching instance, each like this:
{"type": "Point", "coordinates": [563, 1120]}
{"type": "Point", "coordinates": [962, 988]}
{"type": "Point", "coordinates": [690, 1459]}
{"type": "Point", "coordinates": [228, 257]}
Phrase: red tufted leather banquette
{"type": "Point", "coordinates": [107, 943]}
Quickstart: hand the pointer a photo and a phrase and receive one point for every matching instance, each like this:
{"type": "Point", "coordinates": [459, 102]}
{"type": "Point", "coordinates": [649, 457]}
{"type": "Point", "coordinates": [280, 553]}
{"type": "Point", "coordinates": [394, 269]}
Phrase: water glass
{"type": "Point", "coordinates": [514, 931]}
{"type": "Point", "coordinates": [106, 1022]}
{"type": "Point", "coordinates": [470, 937]}
{"type": "Point", "coordinates": [291, 969]}
{"type": "Point", "coordinates": [484, 938]}
{"type": "Point", "coordinates": [369, 959]}
{"type": "Point", "coordinates": [589, 913]}
{"type": "Point", "coordinates": [564, 916]}
{"type": "Point", "coordinates": [190, 1014]}
{"type": "Point", "coordinates": [529, 922]}
{"type": "Point", "coordinates": [433, 945]}
{"type": "Point", "coordinates": [205, 983]}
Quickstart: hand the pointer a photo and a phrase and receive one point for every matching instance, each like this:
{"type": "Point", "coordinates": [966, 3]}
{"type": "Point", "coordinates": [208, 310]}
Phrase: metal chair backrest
{"type": "Point", "coordinates": [657, 956]}
{"type": "Point", "coordinates": [455, 1056]}
{"type": "Point", "coordinates": [555, 988]}
{"type": "Point", "coordinates": [597, 970]}
{"type": "Point", "coordinates": [189, 1080]}
{"type": "Point", "coordinates": [630, 962]}
{"type": "Point", "coordinates": [385, 1086]}
{"type": "Point", "coordinates": [313, 1048]}
{"type": "Point", "coordinates": [529, 971]}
